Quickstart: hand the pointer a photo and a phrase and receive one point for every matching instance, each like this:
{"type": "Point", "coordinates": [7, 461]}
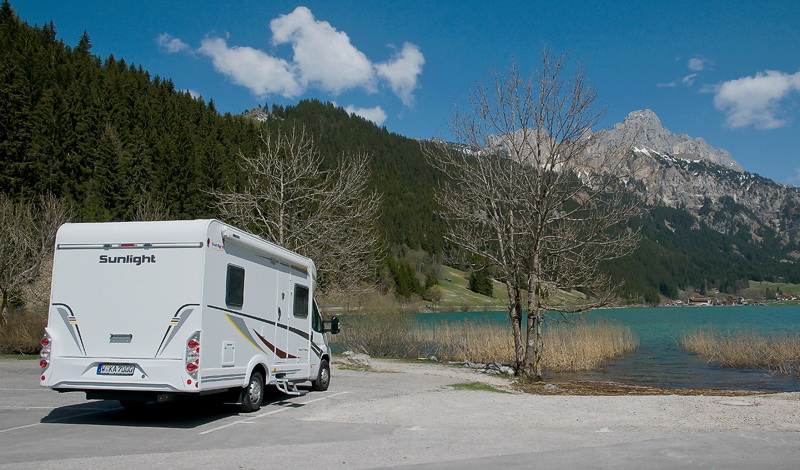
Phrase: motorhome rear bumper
{"type": "Point", "coordinates": [149, 375]}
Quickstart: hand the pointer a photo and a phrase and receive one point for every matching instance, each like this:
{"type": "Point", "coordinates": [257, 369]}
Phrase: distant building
{"type": "Point", "coordinates": [736, 300]}
{"type": "Point", "coordinates": [702, 301]}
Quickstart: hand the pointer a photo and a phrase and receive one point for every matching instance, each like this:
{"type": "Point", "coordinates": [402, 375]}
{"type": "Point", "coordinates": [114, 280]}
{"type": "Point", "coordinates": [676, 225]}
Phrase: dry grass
{"type": "Point", "coordinates": [780, 352]}
{"type": "Point", "coordinates": [383, 334]}
{"type": "Point", "coordinates": [583, 346]}
{"type": "Point", "coordinates": [586, 346]}
{"type": "Point", "coordinates": [21, 332]}
{"type": "Point", "coordinates": [468, 341]}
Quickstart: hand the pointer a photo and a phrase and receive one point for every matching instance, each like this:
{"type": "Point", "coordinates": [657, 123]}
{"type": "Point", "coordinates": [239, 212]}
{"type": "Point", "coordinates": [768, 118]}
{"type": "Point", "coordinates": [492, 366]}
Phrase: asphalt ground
{"type": "Point", "coordinates": [398, 415]}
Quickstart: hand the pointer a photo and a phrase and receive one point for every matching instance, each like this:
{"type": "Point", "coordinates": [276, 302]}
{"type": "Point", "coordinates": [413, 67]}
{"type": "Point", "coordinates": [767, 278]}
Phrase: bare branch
{"type": "Point", "coordinates": [28, 232]}
{"type": "Point", "coordinates": [328, 215]}
{"type": "Point", "coordinates": [535, 196]}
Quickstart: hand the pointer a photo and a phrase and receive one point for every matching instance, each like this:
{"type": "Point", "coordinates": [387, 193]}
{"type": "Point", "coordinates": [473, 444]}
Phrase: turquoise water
{"type": "Point", "coordinates": [659, 361]}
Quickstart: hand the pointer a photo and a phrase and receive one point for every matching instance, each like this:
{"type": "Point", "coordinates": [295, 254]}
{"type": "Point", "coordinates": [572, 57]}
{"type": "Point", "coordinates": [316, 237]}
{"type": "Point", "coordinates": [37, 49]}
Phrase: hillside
{"type": "Point", "coordinates": [109, 137]}
{"type": "Point", "coordinates": [104, 134]}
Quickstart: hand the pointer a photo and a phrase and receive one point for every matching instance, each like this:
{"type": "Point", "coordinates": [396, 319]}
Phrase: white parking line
{"type": "Point", "coordinates": [268, 413]}
{"type": "Point", "coordinates": [248, 420]}
{"type": "Point", "coordinates": [19, 427]}
{"type": "Point", "coordinates": [24, 390]}
{"type": "Point", "coordinates": [27, 407]}
{"type": "Point", "coordinates": [55, 420]}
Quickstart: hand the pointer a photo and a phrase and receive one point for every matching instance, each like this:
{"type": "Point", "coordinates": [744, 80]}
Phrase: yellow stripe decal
{"type": "Point", "coordinates": [246, 336]}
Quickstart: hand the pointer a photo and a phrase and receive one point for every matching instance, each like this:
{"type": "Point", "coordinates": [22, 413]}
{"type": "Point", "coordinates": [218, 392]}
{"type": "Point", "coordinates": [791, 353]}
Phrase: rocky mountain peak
{"type": "Point", "coordinates": [681, 171]}
{"type": "Point", "coordinates": [642, 119]}
{"type": "Point", "coordinates": [649, 134]}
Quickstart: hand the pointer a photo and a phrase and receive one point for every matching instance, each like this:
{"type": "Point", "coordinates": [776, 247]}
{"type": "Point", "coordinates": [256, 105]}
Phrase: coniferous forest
{"type": "Point", "coordinates": [108, 137]}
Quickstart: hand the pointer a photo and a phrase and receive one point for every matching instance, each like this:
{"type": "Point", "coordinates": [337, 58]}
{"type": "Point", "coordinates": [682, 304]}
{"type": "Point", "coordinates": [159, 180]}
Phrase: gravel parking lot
{"type": "Point", "coordinates": [399, 415]}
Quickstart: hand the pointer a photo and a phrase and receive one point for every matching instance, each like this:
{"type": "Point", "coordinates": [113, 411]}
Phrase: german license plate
{"type": "Point", "coordinates": [115, 369]}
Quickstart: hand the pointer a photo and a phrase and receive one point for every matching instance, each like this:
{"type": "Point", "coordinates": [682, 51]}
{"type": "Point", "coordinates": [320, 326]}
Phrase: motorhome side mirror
{"type": "Point", "coordinates": [334, 325]}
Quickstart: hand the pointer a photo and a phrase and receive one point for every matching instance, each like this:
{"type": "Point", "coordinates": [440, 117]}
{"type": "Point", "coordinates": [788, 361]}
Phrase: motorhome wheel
{"type": "Point", "coordinates": [323, 377]}
{"type": "Point", "coordinates": [253, 394]}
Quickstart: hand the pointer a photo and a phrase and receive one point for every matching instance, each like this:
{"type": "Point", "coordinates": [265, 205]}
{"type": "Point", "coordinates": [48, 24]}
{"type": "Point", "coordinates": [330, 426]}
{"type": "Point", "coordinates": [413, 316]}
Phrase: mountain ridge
{"type": "Point", "coordinates": [649, 132]}
{"type": "Point", "coordinates": [678, 171]}
{"type": "Point", "coordinates": [683, 172]}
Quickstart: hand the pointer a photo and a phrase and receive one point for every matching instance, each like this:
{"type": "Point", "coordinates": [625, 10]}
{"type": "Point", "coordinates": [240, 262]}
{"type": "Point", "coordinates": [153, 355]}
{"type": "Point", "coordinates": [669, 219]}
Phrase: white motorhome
{"type": "Point", "coordinates": [147, 311]}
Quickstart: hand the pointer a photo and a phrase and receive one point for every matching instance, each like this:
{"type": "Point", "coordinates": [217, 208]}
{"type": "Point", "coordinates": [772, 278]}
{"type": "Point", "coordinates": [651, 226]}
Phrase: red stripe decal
{"type": "Point", "coordinates": [280, 353]}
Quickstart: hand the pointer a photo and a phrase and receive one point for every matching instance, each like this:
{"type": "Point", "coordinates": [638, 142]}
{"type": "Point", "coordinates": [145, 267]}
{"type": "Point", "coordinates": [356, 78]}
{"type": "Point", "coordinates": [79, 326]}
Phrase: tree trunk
{"type": "Point", "coordinates": [4, 307]}
{"type": "Point", "coordinates": [532, 366]}
{"type": "Point", "coordinates": [515, 317]}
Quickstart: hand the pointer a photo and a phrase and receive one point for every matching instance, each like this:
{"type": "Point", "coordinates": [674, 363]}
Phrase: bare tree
{"type": "Point", "coordinates": [328, 215]}
{"type": "Point", "coordinates": [150, 208]}
{"type": "Point", "coordinates": [535, 198]}
{"type": "Point", "coordinates": [28, 233]}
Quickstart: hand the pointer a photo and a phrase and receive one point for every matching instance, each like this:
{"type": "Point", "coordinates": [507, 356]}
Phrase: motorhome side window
{"type": "Point", "coordinates": [234, 286]}
{"type": "Point", "coordinates": [316, 320]}
{"type": "Point", "coordinates": [300, 301]}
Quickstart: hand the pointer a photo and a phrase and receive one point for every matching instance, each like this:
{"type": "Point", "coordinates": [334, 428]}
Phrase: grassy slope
{"type": "Point", "coordinates": [786, 288]}
{"type": "Point", "coordinates": [456, 293]}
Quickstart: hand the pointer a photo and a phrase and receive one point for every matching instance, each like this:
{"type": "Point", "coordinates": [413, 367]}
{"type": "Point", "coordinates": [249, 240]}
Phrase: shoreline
{"type": "Point", "coordinates": [600, 388]}
{"type": "Point", "coordinates": [565, 388]}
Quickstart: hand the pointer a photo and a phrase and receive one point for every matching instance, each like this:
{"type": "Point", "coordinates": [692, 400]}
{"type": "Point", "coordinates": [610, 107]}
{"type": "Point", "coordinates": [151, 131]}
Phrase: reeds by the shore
{"type": "Point", "coordinates": [586, 346]}
{"type": "Point", "coordinates": [779, 352]}
{"type": "Point", "coordinates": [567, 347]}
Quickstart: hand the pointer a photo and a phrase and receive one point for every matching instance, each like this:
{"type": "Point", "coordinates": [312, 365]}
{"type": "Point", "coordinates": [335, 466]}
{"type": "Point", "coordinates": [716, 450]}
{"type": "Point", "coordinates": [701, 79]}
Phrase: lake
{"type": "Point", "coordinates": [659, 360]}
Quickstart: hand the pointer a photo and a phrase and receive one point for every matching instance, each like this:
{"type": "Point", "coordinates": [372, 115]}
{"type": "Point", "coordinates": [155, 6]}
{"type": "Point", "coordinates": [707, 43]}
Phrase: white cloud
{"type": "Point", "coordinates": [252, 68]}
{"type": "Point", "coordinates": [194, 94]}
{"type": "Point", "coordinates": [689, 79]}
{"type": "Point", "coordinates": [171, 44]}
{"type": "Point", "coordinates": [757, 100]}
{"type": "Point", "coordinates": [696, 64]}
{"type": "Point", "coordinates": [402, 72]}
{"type": "Point", "coordinates": [376, 114]}
{"type": "Point", "coordinates": [323, 56]}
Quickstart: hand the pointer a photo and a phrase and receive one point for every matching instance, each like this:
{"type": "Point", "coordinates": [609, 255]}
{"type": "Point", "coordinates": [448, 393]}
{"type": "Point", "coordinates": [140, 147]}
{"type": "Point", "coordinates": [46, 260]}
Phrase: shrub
{"type": "Point", "coordinates": [21, 331]}
{"type": "Point", "coordinates": [379, 334]}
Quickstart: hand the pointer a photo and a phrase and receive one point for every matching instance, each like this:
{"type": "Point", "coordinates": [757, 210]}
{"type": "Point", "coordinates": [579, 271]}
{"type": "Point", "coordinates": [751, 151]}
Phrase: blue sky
{"type": "Point", "coordinates": [726, 71]}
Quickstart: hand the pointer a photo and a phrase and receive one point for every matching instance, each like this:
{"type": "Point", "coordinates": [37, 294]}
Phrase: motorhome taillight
{"type": "Point", "coordinates": [45, 352]}
{"type": "Point", "coordinates": [193, 354]}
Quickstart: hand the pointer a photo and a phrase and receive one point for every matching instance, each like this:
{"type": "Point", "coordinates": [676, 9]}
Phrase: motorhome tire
{"type": "Point", "coordinates": [323, 377]}
{"type": "Point", "coordinates": [253, 394]}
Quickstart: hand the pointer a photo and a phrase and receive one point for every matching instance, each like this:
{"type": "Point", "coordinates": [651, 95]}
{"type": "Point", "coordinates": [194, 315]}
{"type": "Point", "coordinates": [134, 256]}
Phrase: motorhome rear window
{"type": "Point", "coordinates": [300, 301]}
{"type": "Point", "coordinates": [234, 286]}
